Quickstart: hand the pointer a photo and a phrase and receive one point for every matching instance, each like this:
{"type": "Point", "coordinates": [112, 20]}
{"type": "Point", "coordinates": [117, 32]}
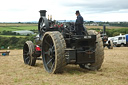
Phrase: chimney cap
{"type": "Point", "coordinates": [43, 13]}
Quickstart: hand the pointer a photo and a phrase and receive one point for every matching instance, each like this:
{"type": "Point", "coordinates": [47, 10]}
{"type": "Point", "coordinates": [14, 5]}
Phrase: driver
{"type": "Point", "coordinates": [79, 24]}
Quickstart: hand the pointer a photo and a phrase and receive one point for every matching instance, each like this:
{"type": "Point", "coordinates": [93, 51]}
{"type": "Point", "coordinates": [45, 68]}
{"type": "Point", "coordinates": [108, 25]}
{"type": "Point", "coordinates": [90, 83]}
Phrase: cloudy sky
{"type": "Point", "coordinates": [95, 10]}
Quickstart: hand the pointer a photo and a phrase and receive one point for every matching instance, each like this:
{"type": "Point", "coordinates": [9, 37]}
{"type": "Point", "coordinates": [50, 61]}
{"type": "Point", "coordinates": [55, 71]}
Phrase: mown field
{"type": "Point", "coordinates": [114, 71]}
{"type": "Point", "coordinates": [107, 27]}
{"type": "Point", "coordinates": [16, 27]}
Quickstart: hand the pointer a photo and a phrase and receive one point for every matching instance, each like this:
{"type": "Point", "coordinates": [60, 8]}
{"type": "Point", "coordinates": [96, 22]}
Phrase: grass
{"type": "Point", "coordinates": [18, 36]}
{"type": "Point", "coordinates": [20, 26]}
{"type": "Point", "coordinates": [107, 27]}
{"type": "Point", "coordinates": [16, 27]}
{"type": "Point", "coordinates": [114, 71]}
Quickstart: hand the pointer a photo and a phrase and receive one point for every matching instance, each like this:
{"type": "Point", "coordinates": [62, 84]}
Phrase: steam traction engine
{"type": "Point", "coordinates": [59, 45]}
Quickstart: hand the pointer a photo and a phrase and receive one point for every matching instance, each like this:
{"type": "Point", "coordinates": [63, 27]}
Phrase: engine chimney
{"type": "Point", "coordinates": [42, 13]}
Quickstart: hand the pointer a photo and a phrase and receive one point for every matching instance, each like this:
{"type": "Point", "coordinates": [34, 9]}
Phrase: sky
{"type": "Point", "coordinates": [91, 10]}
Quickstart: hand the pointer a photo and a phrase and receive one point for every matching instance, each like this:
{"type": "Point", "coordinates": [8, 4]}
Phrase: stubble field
{"type": "Point", "coordinates": [114, 71]}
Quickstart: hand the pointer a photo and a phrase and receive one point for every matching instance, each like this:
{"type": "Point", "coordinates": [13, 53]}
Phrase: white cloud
{"type": "Point", "coordinates": [107, 17]}
{"type": "Point", "coordinates": [28, 10]}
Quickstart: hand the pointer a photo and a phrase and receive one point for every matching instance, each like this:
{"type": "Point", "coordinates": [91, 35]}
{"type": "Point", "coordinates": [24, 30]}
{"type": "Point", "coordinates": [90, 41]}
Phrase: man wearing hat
{"type": "Point", "coordinates": [79, 24]}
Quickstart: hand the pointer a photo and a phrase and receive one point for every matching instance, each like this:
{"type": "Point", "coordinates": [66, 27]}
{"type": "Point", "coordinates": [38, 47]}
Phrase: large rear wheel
{"type": "Point", "coordinates": [28, 51]}
{"type": "Point", "coordinates": [99, 53]}
{"type": "Point", "coordinates": [53, 52]}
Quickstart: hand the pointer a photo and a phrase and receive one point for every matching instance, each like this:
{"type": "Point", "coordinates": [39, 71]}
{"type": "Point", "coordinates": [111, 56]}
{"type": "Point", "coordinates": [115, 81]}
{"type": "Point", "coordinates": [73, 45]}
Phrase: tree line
{"type": "Point", "coordinates": [8, 33]}
{"type": "Point", "coordinates": [112, 32]}
{"type": "Point", "coordinates": [14, 42]}
{"type": "Point", "coordinates": [120, 24]}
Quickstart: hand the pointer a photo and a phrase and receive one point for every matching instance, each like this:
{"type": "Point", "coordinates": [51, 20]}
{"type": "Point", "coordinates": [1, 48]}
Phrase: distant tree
{"type": "Point", "coordinates": [91, 22]}
{"type": "Point", "coordinates": [17, 33]}
{"type": "Point", "coordinates": [28, 34]}
{"type": "Point", "coordinates": [116, 33]}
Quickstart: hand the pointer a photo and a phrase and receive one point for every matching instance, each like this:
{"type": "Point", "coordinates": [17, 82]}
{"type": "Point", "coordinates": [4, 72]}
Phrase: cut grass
{"type": "Point", "coordinates": [17, 27]}
{"type": "Point", "coordinates": [16, 24]}
{"type": "Point", "coordinates": [114, 71]}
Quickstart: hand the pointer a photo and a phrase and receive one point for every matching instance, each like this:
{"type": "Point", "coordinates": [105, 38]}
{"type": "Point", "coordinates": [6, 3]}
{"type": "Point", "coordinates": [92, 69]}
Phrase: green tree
{"type": "Point", "coordinates": [116, 33]}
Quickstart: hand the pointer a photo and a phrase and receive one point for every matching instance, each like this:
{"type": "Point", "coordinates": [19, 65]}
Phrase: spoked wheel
{"type": "Point", "coordinates": [28, 50]}
{"type": "Point", "coordinates": [53, 49]}
{"type": "Point", "coordinates": [43, 26]}
{"type": "Point", "coordinates": [99, 53]}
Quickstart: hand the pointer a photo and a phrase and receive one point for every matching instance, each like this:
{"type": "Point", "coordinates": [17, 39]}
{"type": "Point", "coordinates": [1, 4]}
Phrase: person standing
{"type": "Point", "coordinates": [79, 23]}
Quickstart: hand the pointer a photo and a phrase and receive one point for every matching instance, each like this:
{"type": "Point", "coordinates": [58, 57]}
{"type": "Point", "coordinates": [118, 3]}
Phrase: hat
{"type": "Point", "coordinates": [77, 12]}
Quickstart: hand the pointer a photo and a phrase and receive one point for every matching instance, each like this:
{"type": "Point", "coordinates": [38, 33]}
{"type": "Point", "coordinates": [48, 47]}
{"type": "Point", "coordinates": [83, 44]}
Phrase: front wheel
{"type": "Point", "coordinates": [28, 51]}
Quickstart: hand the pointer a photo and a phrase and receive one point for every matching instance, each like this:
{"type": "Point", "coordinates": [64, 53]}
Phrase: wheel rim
{"type": "Point", "coordinates": [42, 26]}
{"type": "Point", "coordinates": [26, 54]}
{"type": "Point", "coordinates": [48, 52]}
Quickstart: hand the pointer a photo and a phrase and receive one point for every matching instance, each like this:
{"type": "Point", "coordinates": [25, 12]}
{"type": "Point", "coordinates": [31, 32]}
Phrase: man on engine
{"type": "Point", "coordinates": [79, 24]}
